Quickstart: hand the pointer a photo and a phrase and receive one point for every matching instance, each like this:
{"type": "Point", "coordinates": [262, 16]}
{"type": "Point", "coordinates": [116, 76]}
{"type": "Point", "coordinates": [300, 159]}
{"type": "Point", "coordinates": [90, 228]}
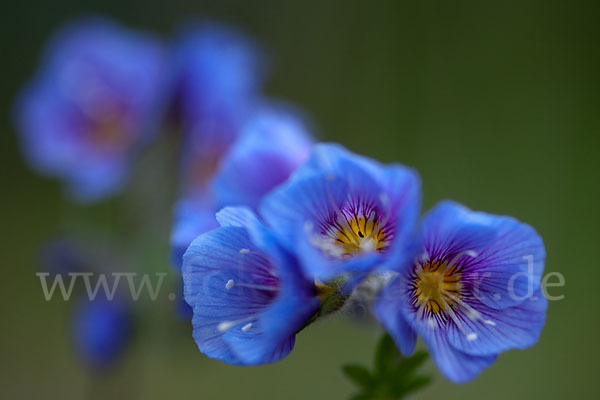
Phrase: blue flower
{"type": "Point", "coordinates": [248, 296]}
{"type": "Point", "coordinates": [472, 293]}
{"type": "Point", "coordinates": [272, 144]}
{"type": "Point", "coordinates": [217, 75]}
{"type": "Point", "coordinates": [342, 213]}
{"type": "Point", "coordinates": [92, 106]}
{"type": "Point", "coordinates": [61, 255]}
{"type": "Point", "coordinates": [101, 330]}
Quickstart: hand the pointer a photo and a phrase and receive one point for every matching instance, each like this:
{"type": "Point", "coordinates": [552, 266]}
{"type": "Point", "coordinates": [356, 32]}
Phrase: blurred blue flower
{"type": "Point", "coordinates": [248, 296]}
{"type": "Point", "coordinates": [343, 214]}
{"type": "Point", "coordinates": [101, 330]}
{"type": "Point", "coordinates": [92, 105]}
{"type": "Point", "coordinates": [272, 144]}
{"type": "Point", "coordinates": [217, 76]}
{"type": "Point", "coordinates": [473, 292]}
{"type": "Point", "coordinates": [61, 256]}
{"type": "Point", "coordinates": [101, 321]}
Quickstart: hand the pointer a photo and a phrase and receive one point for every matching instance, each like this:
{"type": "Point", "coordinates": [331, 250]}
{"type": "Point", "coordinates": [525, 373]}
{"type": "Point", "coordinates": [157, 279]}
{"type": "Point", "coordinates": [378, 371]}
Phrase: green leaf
{"type": "Point", "coordinates": [408, 365]}
{"type": "Point", "coordinates": [358, 374]}
{"type": "Point", "coordinates": [386, 355]}
{"type": "Point", "coordinates": [393, 377]}
{"type": "Point", "coordinates": [403, 381]}
{"type": "Point", "coordinates": [416, 383]}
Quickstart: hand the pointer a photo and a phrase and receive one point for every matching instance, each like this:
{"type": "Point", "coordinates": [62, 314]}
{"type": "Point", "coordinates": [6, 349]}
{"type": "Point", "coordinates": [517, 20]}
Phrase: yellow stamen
{"type": "Point", "coordinates": [437, 286]}
{"type": "Point", "coordinates": [360, 234]}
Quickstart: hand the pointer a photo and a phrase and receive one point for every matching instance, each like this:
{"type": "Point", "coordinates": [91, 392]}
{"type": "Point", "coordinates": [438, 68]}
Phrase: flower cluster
{"type": "Point", "coordinates": [92, 106]}
{"type": "Point", "coordinates": [271, 230]}
{"type": "Point", "coordinates": [341, 217]}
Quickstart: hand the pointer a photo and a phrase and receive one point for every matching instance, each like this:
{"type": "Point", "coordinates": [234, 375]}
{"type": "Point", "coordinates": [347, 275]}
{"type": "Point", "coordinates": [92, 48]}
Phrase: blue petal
{"type": "Point", "coordinates": [516, 327]}
{"type": "Point", "coordinates": [511, 266]}
{"type": "Point", "coordinates": [273, 144]}
{"type": "Point", "coordinates": [455, 365]}
{"type": "Point", "coordinates": [450, 229]}
{"type": "Point", "coordinates": [360, 173]}
{"type": "Point", "coordinates": [400, 184]}
{"type": "Point", "coordinates": [255, 350]}
{"type": "Point", "coordinates": [243, 217]}
{"type": "Point", "coordinates": [209, 263]}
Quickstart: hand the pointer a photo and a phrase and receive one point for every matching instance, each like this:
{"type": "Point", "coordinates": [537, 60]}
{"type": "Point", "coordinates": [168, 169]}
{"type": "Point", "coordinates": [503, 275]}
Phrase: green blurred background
{"type": "Point", "coordinates": [496, 103]}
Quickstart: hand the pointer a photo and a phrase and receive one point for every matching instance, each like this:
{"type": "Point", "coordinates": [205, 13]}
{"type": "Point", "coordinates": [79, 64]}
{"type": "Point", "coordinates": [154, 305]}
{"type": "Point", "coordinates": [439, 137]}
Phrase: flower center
{"type": "Point", "coordinates": [109, 133]}
{"type": "Point", "coordinates": [109, 127]}
{"type": "Point", "coordinates": [360, 234]}
{"type": "Point", "coordinates": [436, 287]}
{"type": "Point", "coordinates": [353, 230]}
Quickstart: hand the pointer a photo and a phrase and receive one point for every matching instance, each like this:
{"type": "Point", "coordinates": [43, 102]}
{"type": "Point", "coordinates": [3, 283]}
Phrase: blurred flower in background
{"type": "Point", "coordinates": [236, 146]}
{"type": "Point", "coordinates": [217, 75]}
{"type": "Point", "coordinates": [216, 79]}
{"type": "Point", "coordinates": [60, 256]}
{"type": "Point", "coordinates": [272, 144]}
{"type": "Point", "coordinates": [101, 329]}
{"type": "Point", "coordinates": [102, 319]}
{"type": "Point", "coordinates": [95, 101]}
